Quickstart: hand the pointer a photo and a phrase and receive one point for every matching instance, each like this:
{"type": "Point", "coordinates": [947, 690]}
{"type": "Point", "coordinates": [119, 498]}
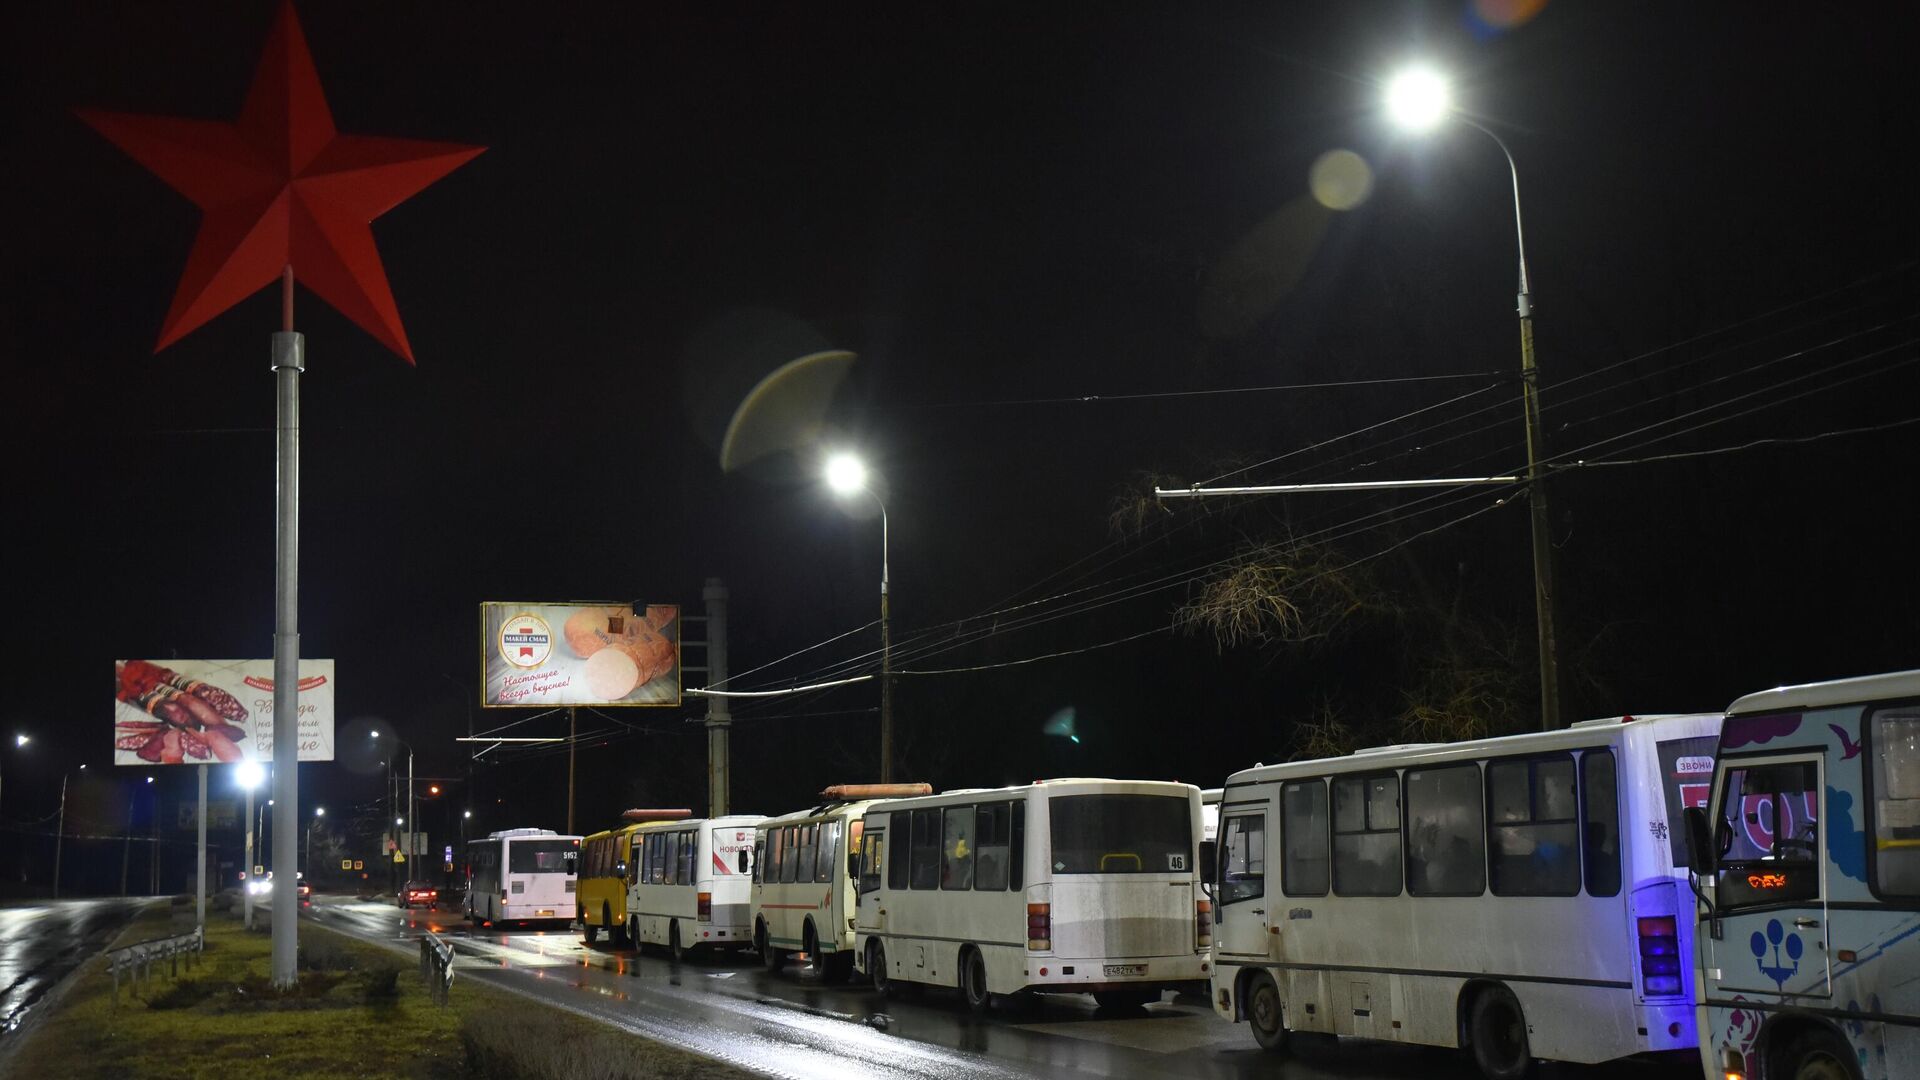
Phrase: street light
{"type": "Point", "coordinates": [411, 810]}
{"type": "Point", "coordinates": [318, 813]}
{"type": "Point", "coordinates": [60, 833]}
{"type": "Point", "coordinates": [1419, 100]}
{"type": "Point", "coordinates": [249, 775]}
{"type": "Point", "coordinates": [846, 474]}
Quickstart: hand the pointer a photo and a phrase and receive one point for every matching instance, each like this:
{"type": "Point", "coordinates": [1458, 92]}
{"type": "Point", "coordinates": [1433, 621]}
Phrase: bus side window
{"type": "Point", "coordinates": [1366, 836]}
{"type": "Point", "coordinates": [902, 830]}
{"type": "Point", "coordinates": [926, 849]}
{"type": "Point", "coordinates": [1532, 825]}
{"type": "Point", "coordinates": [1303, 834]}
{"type": "Point", "coordinates": [1446, 832]}
{"type": "Point", "coordinates": [990, 838]}
{"type": "Point", "coordinates": [1894, 736]}
{"type": "Point", "coordinates": [829, 851]}
{"type": "Point", "coordinates": [1017, 850]}
{"type": "Point", "coordinates": [956, 849]}
{"type": "Point", "coordinates": [1600, 818]}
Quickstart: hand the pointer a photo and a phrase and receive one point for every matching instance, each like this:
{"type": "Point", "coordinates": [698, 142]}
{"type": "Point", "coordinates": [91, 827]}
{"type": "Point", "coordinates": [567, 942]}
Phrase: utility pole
{"type": "Point", "coordinates": [573, 730]}
{"type": "Point", "coordinates": [247, 870]}
{"type": "Point", "coordinates": [200, 875]}
{"type": "Point", "coordinates": [719, 718]}
{"type": "Point", "coordinates": [60, 834]}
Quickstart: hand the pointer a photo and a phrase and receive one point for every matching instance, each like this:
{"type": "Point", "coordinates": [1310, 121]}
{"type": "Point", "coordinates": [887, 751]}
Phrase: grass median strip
{"type": "Point", "coordinates": [357, 1011]}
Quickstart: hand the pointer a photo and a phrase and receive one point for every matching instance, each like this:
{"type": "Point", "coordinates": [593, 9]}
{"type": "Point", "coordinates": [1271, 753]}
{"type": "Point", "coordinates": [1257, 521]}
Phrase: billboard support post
{"type": "Point", "coordinates": [200, 877]}
{"type": "Point", "coordinates": [573, 731]}
{"type": "Point", "coordinates": [289, 359]}
{"type": "Point", "coordinates": [719, 719]}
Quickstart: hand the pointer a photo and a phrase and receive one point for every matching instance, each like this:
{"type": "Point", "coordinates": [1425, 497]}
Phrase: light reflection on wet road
{"type": "Point", "coordinates": [794, 1026]}
{"type": "Point", "coordinates": [40, 943]}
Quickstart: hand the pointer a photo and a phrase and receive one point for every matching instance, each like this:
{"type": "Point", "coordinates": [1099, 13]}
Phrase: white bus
{"type": "Point", "coordinates": [691, 885]}
{"type": "Point", "coordinates": [1523, 896]}
{"type": "Point", "coordinates": [521, 875]}
{"type": "Point", "coordinates": [1061, 886]}
{"type": "Point", "coordinates": [803, 895]}
{"type": "Point", "coordinates": [1810, 884]}
{"type": "Point", "coordinates": [1210, 812]}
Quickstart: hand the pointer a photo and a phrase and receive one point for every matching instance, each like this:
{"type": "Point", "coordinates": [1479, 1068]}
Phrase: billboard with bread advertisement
{"type": "Point", "coordinates": [579, 654]}
{"type": "Point", "coordinates": [201, 712]}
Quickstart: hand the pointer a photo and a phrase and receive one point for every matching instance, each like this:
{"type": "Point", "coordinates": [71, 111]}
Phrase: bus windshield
{"type": "Point", "coordinates": [1121, 834]}
{"type": "Point", "coordinates": [541, 857]}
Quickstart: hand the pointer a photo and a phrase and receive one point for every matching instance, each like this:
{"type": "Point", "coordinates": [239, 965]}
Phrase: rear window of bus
{"type": "Point", "coordinates": [1121, 834]}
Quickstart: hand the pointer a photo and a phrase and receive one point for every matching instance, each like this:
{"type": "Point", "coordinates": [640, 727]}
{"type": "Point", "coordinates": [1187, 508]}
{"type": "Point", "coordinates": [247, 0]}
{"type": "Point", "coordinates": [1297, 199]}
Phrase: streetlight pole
{"type": "Point", "coordinates": [1419, 100]}
{"type": "Point", "coordinates": [248, 774]}
{"type": "Point", "coordinates": [307, 861]}
{"type": "Point", "coordinates": [847, 475]}
{"type": "Point", "coordinates": [60, 833]}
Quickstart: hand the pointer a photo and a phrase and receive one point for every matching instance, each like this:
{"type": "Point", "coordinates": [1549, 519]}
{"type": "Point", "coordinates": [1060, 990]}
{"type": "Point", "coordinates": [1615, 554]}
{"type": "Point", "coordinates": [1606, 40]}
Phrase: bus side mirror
{"type": "Point", "coordinates": [1207, 861]}
{"type": "Point", "coordinates": [1701, 848]}
{"type": "Point", "coordinates": [853, 866]}
{"type": "Point", "coordinates": [743, 860]}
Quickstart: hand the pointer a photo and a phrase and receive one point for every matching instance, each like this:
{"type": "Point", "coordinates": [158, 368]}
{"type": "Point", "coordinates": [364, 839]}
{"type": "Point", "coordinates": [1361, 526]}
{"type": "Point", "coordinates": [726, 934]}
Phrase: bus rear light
{"type": "Point", "coordinates": [1039, 927]}
{"type": "Point", "coordinates": [1203, 924]}
{"type": "Point", "coordinates": [703, 906]}
{"type": "Point", "coordinates": [1659, 956]}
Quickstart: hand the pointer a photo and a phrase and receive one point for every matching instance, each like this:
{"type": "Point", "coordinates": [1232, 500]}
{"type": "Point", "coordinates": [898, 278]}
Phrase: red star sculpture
{"type": "Point", "coordinates": [280, 188]}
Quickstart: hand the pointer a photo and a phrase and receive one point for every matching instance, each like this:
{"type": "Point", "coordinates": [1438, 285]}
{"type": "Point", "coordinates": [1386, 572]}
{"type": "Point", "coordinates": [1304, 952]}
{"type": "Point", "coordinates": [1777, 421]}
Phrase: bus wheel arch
{"type": "Point", "coordinates": [1796, 1045]}
{"type": "Point", "coordinates": [1493, 1028]}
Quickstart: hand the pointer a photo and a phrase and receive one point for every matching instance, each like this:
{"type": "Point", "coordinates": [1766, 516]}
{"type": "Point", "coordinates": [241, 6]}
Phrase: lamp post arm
{"type": "Point", "coordinates": [885, 572]}
{"type": "Point", "coordinates": [1519, 231]}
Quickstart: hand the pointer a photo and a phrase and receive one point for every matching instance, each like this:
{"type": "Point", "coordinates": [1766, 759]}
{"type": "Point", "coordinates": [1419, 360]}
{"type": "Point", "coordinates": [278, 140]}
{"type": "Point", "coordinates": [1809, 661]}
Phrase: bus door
{"type": "Point", "coordinates": [1240, 895]}
{"type": "Point", "coordinates": [1769, 930]}
{"type": "Point", "coordinates": [870, 916]}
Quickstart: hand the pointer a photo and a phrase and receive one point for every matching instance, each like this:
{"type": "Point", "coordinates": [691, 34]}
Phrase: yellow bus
{"type": "Point", "coordinates": [600, 898]}
{"type": "Point", "coordinates": [607, 867]}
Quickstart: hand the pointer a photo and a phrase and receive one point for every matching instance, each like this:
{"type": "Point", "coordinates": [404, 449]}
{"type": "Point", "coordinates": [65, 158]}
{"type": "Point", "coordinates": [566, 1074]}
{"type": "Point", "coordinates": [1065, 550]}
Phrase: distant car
{"type": "Point", "coordinates": [306, 890]}
{"type": "Point", "coordinates": [419, 892]}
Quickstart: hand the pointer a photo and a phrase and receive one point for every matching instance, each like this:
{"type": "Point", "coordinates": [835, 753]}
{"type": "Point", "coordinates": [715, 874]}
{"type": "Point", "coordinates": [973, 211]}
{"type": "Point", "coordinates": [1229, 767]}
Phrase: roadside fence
{"type": "Point", "coordinates": [142, 957]}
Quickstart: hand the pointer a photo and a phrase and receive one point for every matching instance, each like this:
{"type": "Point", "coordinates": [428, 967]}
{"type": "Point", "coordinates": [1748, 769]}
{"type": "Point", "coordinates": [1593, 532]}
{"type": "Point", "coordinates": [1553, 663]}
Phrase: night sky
{"type": "Point", "coordinates": [1003, 212]}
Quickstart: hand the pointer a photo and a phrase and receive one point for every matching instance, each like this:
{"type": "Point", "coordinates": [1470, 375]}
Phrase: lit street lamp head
{"type": "Point", "coordinates": [1418, 98]}
{"type": "Point", "coordinates": [319, 811]}
{"type": "Point", "coordinates": [22, 740]}
{"type": "Point", "coordinates": [249, 774]}
{"type": "Point", "coordinates": [846, 474]}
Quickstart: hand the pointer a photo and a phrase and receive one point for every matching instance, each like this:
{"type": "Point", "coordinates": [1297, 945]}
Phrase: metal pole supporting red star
{"type": "Point", "coordinates": [283, 197]}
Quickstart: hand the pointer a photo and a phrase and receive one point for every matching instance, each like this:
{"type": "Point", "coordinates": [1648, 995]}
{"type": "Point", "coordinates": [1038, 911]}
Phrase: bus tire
{"type": "Point", "coordinates": [771, 958]}
{"type": "Point", "coordinates": [877, 968]}
{"type": "Point", "coordinates": [973, 981]}
{"type": "Point", "coordinates": [1266, 1012]}
{"type": "Point", "coordinates": [1498, 1030]}
{"type": "Point", "coordinates": [1814, 1052]}
{"type": "Point", "coordinates": [675, 948]}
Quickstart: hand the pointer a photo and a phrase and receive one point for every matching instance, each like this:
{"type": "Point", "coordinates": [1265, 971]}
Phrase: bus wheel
{"type": "Point", "coordinates": [773, 959]}
{"type": "Point", "coordinates": [877, 968]}
{"type": "Point", "coordinates": [1815, 1053]}
{"type": "Point", "coordinates": [973, 982]}
{"type": "Point", "coordinates": [1265, 1014]}
{"type": "Point", "coordinates": [1499, 1033]}
{"type": "Point", "coordinates": [674, 946]}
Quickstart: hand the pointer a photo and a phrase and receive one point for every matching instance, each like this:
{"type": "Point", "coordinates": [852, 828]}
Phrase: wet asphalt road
{"type": "Point", "coordinates": [791, 1025]}
{"type": "Point", "coordinates": [41, 942]}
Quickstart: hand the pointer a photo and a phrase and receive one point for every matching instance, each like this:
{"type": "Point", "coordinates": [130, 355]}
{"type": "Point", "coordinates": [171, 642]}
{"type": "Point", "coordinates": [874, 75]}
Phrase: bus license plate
{"type": "Point", "coordinates": [1117, 970]}
{"type": "Point", "coordinates": [545, 911]}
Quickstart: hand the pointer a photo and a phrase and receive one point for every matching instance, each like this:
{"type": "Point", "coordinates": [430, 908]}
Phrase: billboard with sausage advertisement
{"type": "Point", "coordinates": [199, 712]}
{"type": "Point", "coordinates": [579, 654]}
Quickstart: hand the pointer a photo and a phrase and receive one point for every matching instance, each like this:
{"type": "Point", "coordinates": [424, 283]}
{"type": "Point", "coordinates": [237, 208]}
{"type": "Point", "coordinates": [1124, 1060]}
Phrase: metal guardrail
{"type": "Point", "coordinates": [139, 959]}
{"type": "Point", "coordinates": [436, 966]}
